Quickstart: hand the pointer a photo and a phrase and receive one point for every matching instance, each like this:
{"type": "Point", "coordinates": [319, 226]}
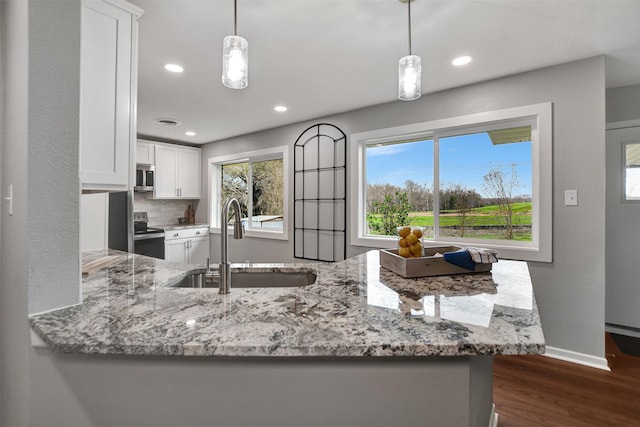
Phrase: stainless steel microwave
{"type": "Point", "coordinates": [145, 178]}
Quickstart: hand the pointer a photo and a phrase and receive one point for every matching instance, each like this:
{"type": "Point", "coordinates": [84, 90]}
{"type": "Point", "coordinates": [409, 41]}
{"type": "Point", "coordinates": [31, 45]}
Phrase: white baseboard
{"type": "Point", "coordinates": [579, 358]}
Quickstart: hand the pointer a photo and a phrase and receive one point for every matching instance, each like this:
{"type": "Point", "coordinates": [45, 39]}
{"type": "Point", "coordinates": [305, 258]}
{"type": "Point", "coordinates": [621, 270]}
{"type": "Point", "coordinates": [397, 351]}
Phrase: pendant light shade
{"type": "Point", "coordinates": [409, 77]}
{"type": "Point", "coordinates": [235, 62]}
{"type": "Point", "coordinates": [235, 57]}
{"type": "Point", "coordinates": [409, 70]}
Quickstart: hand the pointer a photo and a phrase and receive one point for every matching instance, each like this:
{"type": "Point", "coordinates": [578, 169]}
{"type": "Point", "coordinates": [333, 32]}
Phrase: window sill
{"type": "Point", "coordinates": [520, 251]}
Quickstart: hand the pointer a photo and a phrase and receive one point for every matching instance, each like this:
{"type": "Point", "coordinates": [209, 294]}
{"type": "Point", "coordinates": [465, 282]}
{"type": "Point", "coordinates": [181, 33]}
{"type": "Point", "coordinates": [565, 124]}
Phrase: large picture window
{"type": "Point", "coordinates": [258, 180]}
{"type": "Point", "coordinates": [473, 181]}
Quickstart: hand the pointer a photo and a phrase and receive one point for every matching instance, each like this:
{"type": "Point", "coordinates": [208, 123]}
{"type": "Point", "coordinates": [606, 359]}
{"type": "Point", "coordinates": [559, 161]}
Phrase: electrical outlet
{"type": "Point", "coordinates": [571, 197]}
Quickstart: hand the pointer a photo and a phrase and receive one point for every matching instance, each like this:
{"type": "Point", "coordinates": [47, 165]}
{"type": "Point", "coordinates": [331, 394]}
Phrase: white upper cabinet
{"type": "Point", "coordinates": [177, 172]}
{"type": "Point", "coordinates": [166, 178]}
{"type": "Point", "coordinates": [189, 172]}
{"type": "Point", "coordinates": [108, 89]}
{"type": "Point", "coordinates": [145, 153]}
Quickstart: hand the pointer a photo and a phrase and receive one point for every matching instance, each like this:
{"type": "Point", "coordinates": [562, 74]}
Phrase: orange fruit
{"type": "Point", "coordinates": [412, 239]}
{"type": "Point", "coordinates": [404, 232]}
{"type": "Point", "coordinates": [416, 250]}
{"type": "Point", "coordinates": [404, 252]}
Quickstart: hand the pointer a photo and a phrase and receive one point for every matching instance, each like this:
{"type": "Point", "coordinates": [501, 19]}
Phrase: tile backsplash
{"type": "Point", "coordinates": [162, 212]}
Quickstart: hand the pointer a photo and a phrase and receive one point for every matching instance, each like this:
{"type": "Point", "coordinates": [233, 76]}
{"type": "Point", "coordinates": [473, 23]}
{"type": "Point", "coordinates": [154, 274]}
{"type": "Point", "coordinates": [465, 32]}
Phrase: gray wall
{"type": "Point", "coordinates": [623, 103]}
{"type": "Point", "coordinates": [622, 230]}
{"type": "Point", "coordinates": [53, 183]}
{"type": "Point", "coordinates": [13, 285]}
{"type": "Point", "coordinates": [570, 291]}
{"type": "Point", "coordinates": [103, 391]}
{"type": "Point", "coordinates": [2, 190]}
{"type": "Point", "coordinates": [40, 242]}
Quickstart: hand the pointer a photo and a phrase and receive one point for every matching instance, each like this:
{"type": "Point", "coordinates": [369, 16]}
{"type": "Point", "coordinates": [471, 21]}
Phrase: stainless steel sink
{"type": "Point", "coordinates": [250, 279]}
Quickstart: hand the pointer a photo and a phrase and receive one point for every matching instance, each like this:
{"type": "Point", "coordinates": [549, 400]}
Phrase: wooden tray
{"type": "Point", "coordinates": [428, 265]}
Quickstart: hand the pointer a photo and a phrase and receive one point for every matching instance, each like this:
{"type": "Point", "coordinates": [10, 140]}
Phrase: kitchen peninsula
{"type": "Point", "coordinates": [360, 346]}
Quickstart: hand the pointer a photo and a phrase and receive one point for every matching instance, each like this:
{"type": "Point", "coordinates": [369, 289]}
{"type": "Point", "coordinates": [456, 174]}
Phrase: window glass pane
{"type": "Point", "coordinates": [268, 194]}
{"type": "Point", "coordinates": [632, 171]}
{"type": "Point", "coordinates": [486, 185]}
{"type": "Point", "coordinates": [399, 186]}
{"type": "Point", "coordinates": [235, 179]}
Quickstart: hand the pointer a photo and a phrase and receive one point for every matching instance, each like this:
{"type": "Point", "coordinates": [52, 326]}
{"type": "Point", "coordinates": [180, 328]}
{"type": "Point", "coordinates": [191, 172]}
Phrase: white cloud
{"type": "Point", "coordinates": [386, 150]}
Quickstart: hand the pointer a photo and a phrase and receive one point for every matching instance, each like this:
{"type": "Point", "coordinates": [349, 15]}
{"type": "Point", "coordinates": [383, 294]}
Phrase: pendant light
{"type": "Point", "coordinates": [409, 70]}
{"type": "Point", "coordinates": [235, 57]}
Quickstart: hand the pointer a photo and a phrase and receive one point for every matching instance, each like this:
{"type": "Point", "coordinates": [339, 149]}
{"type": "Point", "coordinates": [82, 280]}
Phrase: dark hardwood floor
{"type": "Point", "coordinates": [541, 391]}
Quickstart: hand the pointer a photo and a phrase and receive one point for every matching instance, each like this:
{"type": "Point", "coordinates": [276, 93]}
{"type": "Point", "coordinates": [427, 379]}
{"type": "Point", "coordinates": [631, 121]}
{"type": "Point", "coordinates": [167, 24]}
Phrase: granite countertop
{"type": "Point", "coordinates": [169, 227]}
{"type": "Point", "coordinates": [355, 308]}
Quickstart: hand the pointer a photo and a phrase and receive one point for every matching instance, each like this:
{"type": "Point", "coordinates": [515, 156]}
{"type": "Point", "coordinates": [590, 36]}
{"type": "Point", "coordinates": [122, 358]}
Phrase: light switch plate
{"type": "Point", "coordinates": [571, 197]}
{"type": "Point", "coordinates": [9, 199]}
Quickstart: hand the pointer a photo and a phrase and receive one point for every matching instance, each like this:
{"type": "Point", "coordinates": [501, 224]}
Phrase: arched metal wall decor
{"type": "Point", "coordinates": [320, 192]}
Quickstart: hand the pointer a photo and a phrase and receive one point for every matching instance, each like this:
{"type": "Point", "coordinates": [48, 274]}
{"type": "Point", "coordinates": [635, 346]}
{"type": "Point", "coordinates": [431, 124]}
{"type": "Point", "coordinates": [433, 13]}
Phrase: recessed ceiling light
{"type": "Point", "coordinates": [461, 60]}
{"type": "Point", "coordinates": [190, 133]}
{"type": "Point", "coordinates": [174, 68]}
{"type": "Point", "coordinates": [280, 108]}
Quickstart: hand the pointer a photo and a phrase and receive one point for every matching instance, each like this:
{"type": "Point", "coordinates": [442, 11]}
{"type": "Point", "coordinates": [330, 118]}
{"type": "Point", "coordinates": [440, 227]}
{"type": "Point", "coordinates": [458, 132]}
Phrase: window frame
{"type": "Point", "coordinates": [215, 182]}
{"type": "Point", "coordinates": [540, 118]}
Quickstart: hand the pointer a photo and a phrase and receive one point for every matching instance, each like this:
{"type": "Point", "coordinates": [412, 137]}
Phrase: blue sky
{"type": "Point", "coordinates": [464, 160]}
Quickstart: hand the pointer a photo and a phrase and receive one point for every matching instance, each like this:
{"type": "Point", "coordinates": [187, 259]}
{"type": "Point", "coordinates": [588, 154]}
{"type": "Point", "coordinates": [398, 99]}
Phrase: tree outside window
{"type": "Point", "coordinates": [258, 185]}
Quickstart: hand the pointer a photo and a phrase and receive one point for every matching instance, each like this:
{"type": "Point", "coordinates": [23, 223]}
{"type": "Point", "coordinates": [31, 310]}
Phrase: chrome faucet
{"type": "Point", "coordinates": [238, 233]}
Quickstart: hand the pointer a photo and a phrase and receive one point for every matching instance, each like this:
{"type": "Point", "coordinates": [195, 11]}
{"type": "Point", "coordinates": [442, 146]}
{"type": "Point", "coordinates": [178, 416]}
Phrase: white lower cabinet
{"type": "Point", "coordinates": [199, 250]}
{"type": "Point", "coordinates": [187, 246]}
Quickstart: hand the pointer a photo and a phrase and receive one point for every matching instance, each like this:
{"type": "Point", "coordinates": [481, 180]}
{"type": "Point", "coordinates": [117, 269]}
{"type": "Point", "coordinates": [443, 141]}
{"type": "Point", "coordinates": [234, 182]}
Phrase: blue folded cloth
{"type": "Point", "coordinates": [461, 258]}
{"type": "Point", "coordinates": [469, 257]}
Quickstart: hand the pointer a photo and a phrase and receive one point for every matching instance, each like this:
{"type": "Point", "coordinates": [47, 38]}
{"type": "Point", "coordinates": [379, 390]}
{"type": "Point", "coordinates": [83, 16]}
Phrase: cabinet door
{"type": "Point", "coordinates": [166, 177]}
{"type": "Point", "coordinates": [105, 100]}
{"type": "Point", "coordinates": [199, 250]}
{"type": "Point", "coordinates": [176, 250]}
{"type": "Point", "coordinates": [189, 173]}
{"type": "Point", "coordinates": [145, 153]}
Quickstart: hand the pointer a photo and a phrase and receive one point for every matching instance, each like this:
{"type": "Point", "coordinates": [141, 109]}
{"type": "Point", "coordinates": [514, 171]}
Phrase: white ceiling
{"type": "Point", "coordinates": [320, 57]}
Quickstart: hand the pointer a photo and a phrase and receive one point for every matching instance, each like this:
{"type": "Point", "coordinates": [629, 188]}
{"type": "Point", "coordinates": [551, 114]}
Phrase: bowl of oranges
{"type": "Point", "coordinates": [410, 241]}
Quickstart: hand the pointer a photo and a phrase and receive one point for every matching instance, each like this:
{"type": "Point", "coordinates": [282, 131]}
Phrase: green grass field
{"type": "Point", "coordinates": [486, 217]}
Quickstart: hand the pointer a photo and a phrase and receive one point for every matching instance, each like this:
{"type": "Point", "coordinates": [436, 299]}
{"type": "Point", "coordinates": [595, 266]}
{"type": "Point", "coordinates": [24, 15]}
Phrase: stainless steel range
{"type": "Point", "coordinates": [147, 240]}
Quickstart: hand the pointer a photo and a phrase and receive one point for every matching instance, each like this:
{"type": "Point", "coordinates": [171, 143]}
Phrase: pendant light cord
{"type": "Point", "coordinates": [409, 17]}
{"type": "Point", "coordinates": [235, 18]}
